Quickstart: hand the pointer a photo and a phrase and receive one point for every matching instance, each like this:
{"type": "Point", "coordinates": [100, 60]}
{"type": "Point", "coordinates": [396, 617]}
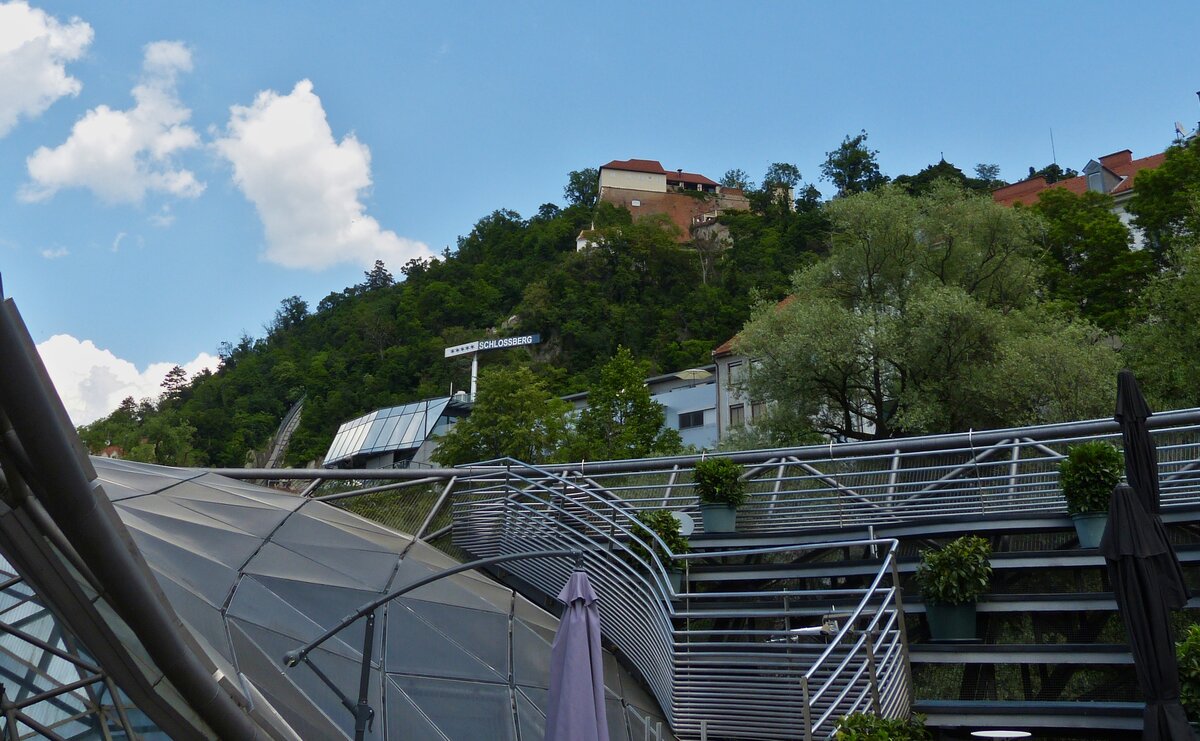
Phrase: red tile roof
{"type": "Point", "coordinates": [655, 167]}
{"type": "Point", "coordinates": [726, 347]}
{"type": "Point", "coordinates": [689, 177]}
{"type": "Point", "coordinates": [1120, 163]}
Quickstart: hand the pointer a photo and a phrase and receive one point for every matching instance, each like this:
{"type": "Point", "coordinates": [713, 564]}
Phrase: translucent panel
{"type": "Point", "coordinates": [372, 437]}
{"type": "Point", "coordinates": [405, 720]}
{"type": "Point", "coordinates": [414, 431]}
{"type": "Point", "coordinates": [416, 647]}
{"type": "Point", "coordinates": [531, 655]}
{"type": "Point", "coordinates": [385, 434]}
{"type": "Point", "coordinates": [462, 711]}
{"type": "Point", "coordinates": [530, 718]}
{"type": "Point", "coordinates": [483, 634]}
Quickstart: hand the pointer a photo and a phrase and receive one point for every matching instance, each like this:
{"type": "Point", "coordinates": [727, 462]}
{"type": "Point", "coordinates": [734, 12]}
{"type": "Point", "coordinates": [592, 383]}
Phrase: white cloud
{"type": "Point", "coordinates": [55, 253]}
{"type": "Point", "coordinates": [34, 51]}
{"type": "Point", "coordinates": [116, 244]}
{"type": "Point", "coordinates": [122, 155]}
{"type": "Point", "coordinates": [307, 186]}
{"type": "Point", "coordinates": [92, 381]}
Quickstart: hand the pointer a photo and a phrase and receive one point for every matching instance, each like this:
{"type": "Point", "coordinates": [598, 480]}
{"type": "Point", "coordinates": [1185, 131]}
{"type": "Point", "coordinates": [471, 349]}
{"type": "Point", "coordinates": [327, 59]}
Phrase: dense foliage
{"type": "Point", "coordinates": [958, 573]}
{"type": "Point", "coordinates": [660, 522]}
{"type": "Point", "coordinates": [925, 317]}
{"type": "Point", "coordinates": [919, 307]}
{"type": "Point", "coordinates": [871, 727]}
{"type": "Point", "coordinates": [719, 481]}
{"type": "Point", "coordinates": [1187, 652]}
{"type": "Point", "coordinates": [1088, 475]}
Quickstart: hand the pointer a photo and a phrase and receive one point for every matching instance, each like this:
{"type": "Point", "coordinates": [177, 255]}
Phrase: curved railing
{"type": "Point", "coordinates": [966, 475]}
{"type": "Point", "coordinates": [774, 661]}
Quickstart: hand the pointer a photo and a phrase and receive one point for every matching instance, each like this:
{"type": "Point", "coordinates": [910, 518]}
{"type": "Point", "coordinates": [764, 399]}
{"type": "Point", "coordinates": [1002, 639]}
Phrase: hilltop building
{"type": "Point", "coordinates": [396, 437]}
{"type": "Point", "coordinates": [645, 187]}
{"type": "Point", "coordinates": [1113, 174]}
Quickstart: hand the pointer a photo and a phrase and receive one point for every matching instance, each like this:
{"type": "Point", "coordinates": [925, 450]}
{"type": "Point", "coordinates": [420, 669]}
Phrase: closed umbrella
{"type": "Point", "coordinates": [575, 709]}
{"type": "Point", "coordinates": [1139, 566]}
{"type": "Point", "coordinates": [1146, 577]}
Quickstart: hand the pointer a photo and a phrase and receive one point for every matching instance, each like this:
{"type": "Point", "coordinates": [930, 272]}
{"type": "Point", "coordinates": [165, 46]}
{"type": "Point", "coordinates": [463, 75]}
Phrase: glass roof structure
{"type": "Point", "coordinates": [395, 429]}
{"type": "Point", "coordinates": [254, 573]}
{"type": "Point", "coordinates": [145, 602]}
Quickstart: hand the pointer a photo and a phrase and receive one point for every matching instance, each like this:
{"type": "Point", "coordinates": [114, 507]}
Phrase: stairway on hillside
{"type": "Point", "coordinates": [1052, 657]}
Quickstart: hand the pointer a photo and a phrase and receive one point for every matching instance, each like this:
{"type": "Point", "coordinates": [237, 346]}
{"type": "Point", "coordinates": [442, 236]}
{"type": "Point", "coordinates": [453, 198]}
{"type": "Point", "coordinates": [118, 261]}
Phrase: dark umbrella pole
{"type": "Point", "coordinates": [1147, 579]}
{"type": "Point", "coordinates": [575, 709]}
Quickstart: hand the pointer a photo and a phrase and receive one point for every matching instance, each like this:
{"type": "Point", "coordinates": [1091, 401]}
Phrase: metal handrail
{"type": "Point", "coordinates": [734, 681]}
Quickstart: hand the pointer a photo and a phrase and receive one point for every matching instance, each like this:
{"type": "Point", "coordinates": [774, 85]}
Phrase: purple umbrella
{"type": "Point", "coordinates": [575, 710]}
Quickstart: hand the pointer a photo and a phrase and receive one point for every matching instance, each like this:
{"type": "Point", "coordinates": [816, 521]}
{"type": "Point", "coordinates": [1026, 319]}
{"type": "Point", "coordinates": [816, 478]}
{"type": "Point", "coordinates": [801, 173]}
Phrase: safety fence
{"type": "Point", "coordinates": [768, 660]}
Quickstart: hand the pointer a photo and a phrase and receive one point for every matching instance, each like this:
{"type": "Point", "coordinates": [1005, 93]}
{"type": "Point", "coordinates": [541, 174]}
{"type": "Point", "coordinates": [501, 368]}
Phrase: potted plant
{"type": "Point", "coordinates": [721, 490]}
{"type": "Point", "coordinates": [663, 524]}
{"type": "Point", "coordinates": [1187, 652]}
{"type": "Point", "coordinates": [1087, 476]}
{"type": "Point", "coordinates": [951, 580]}
{"type": "Point", "coordinates": [871, 727]}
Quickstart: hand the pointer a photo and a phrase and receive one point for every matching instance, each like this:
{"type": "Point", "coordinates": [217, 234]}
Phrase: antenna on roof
{"type": "Point", "coordinates": [1053, 153]}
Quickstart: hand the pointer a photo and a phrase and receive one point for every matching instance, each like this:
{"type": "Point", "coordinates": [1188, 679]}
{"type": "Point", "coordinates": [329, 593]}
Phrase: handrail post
{"type": "Point", "coordinates": [900, 622]}
{"type": "Point", "coordinates": [872, 673]}
{"type": "Point", "coordinates": [807, 708]}
{"type": "Point", "coordinates": [364, 714]}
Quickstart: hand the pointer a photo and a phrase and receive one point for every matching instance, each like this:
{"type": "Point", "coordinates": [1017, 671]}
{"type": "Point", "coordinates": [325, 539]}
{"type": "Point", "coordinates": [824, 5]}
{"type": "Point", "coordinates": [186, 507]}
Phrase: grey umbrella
{"type": "Point", "coordinates": [575, 709]}
{"type": "Point", "coordinates": [1147, 579]}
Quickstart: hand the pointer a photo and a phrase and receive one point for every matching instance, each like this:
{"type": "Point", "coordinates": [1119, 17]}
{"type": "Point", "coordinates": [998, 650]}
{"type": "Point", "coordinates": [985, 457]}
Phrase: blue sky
{"type": "Point", "coordinates": [277, 148]}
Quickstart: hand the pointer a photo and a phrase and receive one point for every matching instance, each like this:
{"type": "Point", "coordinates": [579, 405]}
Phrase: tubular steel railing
{"type": "Point", "coordinates": [967, 475]}
{"type": "Point", "coordinates": [765, 661]}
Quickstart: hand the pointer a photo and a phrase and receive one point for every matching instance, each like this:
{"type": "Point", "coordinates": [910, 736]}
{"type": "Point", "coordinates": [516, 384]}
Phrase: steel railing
{"type": "Point", "coordinates": [968, 475]}
{"type": "Point", "coordinates": [771, 660]}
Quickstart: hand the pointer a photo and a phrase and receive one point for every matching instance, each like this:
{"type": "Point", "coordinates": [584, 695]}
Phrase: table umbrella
{"type": "Point", "coordinates": [1139, 566]}
{"type": "Point", "coordinates": [1141, 471]}
{"type": "Point", "coordinates": [575, 709]}
{"type": "Point", "coordinates": [1146, 577]}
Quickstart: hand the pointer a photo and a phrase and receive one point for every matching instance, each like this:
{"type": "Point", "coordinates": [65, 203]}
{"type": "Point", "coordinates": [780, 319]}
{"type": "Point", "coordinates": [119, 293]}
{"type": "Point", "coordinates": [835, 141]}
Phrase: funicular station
{"type": "Point", "coordinates": [139, 601]}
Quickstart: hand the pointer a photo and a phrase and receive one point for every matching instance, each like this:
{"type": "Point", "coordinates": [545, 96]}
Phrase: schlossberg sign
{"type": "Point", "coordinates": [499, 343]}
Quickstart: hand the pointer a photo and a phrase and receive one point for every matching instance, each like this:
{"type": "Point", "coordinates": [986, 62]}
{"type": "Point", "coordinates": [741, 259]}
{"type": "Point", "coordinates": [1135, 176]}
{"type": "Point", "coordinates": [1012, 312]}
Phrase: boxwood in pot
{"type": "Point", "coordinates": [952, 579]}
{"type": "Point", "coordinates": [721, 490]}
{"type": "Point", "coordinates": [1087, 476]}
{"type": "Point", "coordinates": [664, 524]}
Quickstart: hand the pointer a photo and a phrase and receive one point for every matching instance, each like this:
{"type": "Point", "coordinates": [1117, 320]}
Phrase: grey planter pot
{"type": "Point", "coordinates": [719, 518]}
{"type": "Point", "coordinates": [675, 577]}
{"type": "Point", "coordinates": [1089, 526]}
{"type": "Point", "coordinates": [951, 622]}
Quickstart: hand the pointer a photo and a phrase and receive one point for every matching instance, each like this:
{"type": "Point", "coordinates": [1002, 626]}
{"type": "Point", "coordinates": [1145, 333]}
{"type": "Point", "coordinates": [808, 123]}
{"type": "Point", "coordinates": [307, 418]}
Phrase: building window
{"type": "Point", "coordinates": [737, 415]}
{"type": "Point", "coordinates": [757, 409]}
{"type": "Point", "coordinates": [688, 420]}
{"type": "Point", "coordinates": [735, 372]}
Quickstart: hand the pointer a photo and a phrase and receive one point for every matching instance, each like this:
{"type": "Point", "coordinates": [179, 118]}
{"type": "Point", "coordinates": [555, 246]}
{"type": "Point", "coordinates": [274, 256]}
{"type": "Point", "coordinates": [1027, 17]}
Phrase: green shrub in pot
{"type": "Point", "coordinates": [1087, 476]}
{"type": "Point", "coordinates": [721, 490]}
{"type": "Point", "coordinates": [664, 524]}
{"type": "Point", "coordinates": [952, 578]}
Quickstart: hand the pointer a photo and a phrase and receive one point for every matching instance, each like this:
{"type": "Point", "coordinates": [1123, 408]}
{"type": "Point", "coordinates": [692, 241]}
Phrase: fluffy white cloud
{"type": "Point", "coordinates": [121, 155]}
{"type": "Point", "coordinates": [55, 253]}
{"type": "Point", "coordinates": [92, 381]}
{"type": "Point", "coordinates": [34, 51]}
{"type": "Point", "coordinates": [306, 185]}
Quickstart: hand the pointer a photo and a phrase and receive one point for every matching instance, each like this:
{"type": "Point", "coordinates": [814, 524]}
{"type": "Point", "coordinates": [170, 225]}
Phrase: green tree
{"type": "Point", "coordinates": [905, 327]}
{"type": "Point", "coordinates": [582, 188]}
{"type": "Point", "coordinates": [514, 416]}
{"type": "Point", "coordinates": [852, 167]}
{"type": "Point", "coordinates": [1052, 173]}
{"type": "Point", "coordinates": [377, 277]}
{"type": "Point", "coordinates": [621, 420]}
{"type": "Point", "coordinates": [1088, 256]}
{"type": "Point", "coordinates": [782, 174]}
{"type": "Point", "coordinates": [737, 178]}
{"type": "Point", "coordinates": [1163, 343]}
{"type": "Point", "coordinates": [989, 173]}
{"type": "Point", "coordinates": [1166, 202]}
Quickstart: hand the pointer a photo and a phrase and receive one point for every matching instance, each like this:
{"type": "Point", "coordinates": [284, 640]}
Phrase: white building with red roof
{"type": "Point", "coordinates": [688, 199]}
{"type": "Point", "coordinates": [1113, 174]}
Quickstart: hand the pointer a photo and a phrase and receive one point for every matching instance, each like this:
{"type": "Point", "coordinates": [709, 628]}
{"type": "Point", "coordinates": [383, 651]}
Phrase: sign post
{"type": "Point", "coordinates": [478, 346]}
